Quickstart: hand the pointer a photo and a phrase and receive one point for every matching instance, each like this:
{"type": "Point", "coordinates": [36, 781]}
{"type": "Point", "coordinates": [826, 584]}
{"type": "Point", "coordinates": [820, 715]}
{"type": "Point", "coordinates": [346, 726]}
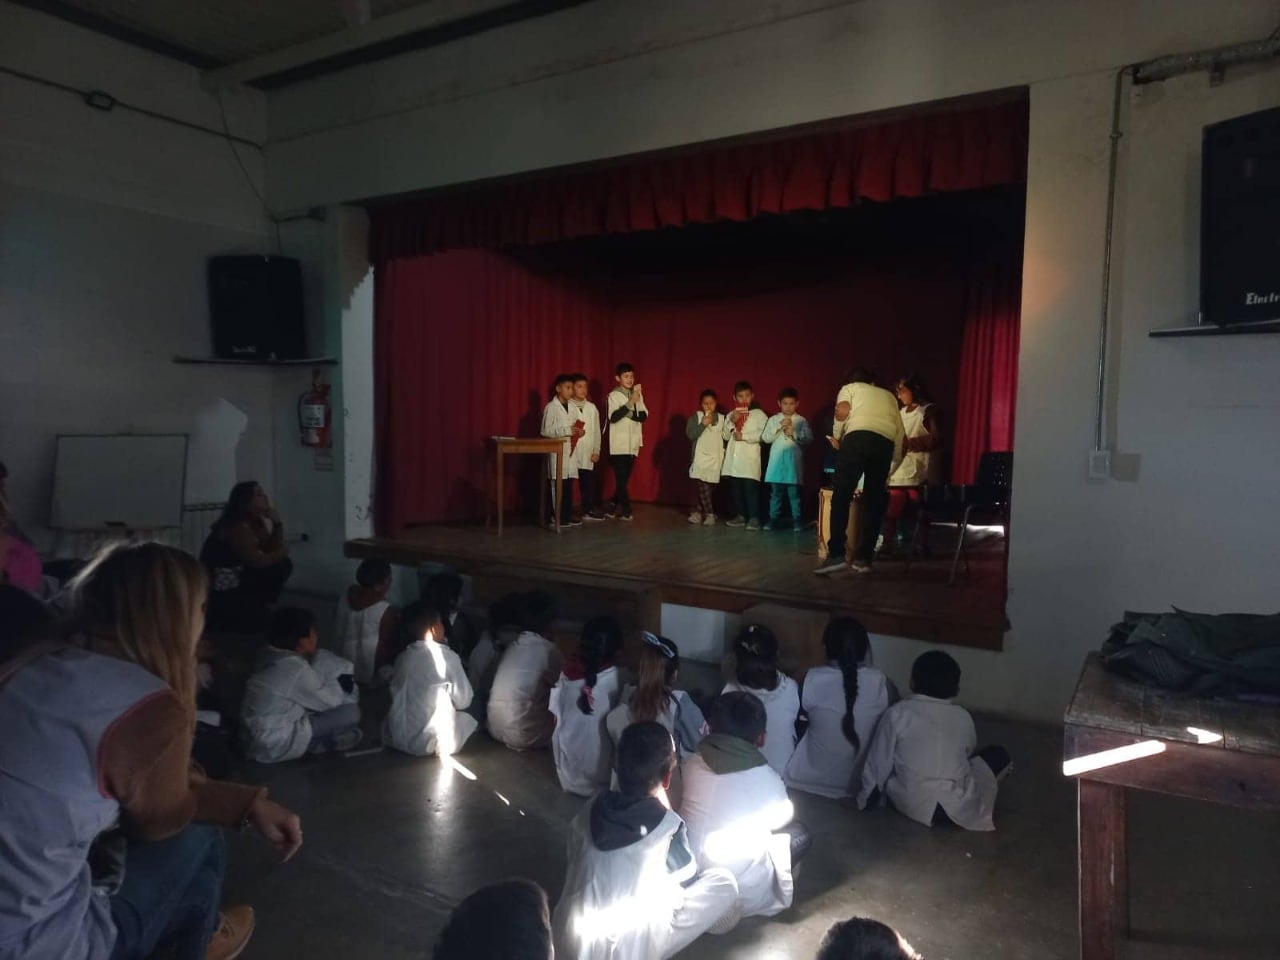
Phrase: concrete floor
{"type": "Point", "coordinates": [392, 843]}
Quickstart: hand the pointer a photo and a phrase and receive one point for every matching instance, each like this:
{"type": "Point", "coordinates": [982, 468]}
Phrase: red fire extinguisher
{"type": "Point", "coordinates": [315, 419]}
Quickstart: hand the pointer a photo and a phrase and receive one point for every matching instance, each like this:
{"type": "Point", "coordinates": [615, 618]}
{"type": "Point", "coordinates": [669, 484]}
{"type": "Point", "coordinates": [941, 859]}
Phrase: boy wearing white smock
{"type": "Point", "coordinates": [632, 887]}
{"type": "Point", "coordinates": [705, 431]}
{"type": "Point", "coordinates": [586, 453]}
{"type": "Point", "coordinates": [366, 622]}
{"type": "Point", "coordinates": [788, 434]}
{"type": "Point", "coordinates": [627, 413]}
{"type": "Point", "coordinates": [429, 692]}
{"type": "Point", "coordinates": [924, 759]}
{"type": "Point", "coordinates": [742, 430]}
{"type": "Point", "coordinates": [738, 810]}
{"type": "Point", "coordinates": [518, 713]}
{"type": "Point", "coordinates": [559, 422]}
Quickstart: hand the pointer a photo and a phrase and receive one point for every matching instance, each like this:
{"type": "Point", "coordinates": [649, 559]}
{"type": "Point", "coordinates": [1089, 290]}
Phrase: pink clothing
{"type": "Point", "coordinates": [22, 566]}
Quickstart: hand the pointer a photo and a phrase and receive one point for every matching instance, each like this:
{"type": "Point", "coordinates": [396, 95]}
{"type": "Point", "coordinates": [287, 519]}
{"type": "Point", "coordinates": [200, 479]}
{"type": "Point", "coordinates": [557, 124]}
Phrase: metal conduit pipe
{"type": "Point", "coordinates": [1151, 71]}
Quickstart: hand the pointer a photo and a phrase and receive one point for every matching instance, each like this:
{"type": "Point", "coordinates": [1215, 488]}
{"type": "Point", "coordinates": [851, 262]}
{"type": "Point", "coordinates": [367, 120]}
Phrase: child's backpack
{"type": "Point", "coordinates": [1202, 654]}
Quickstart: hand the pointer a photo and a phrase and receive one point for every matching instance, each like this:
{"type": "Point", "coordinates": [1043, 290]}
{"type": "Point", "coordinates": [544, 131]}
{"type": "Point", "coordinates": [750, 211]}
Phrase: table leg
{"type": "Point", "coordinates": [1104, 868]}
{"type": "Point", "coordinates": [501, 499]}
{"type": "Point", "coordinates": [559, 486]}
{"type": "Point", "coordinates": [542, 499]}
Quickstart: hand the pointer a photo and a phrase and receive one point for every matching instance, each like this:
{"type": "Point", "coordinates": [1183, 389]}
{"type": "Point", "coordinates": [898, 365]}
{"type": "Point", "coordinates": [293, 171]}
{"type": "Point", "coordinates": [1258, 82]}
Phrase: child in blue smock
{"type": "Point", "coordinates": [789, 433]}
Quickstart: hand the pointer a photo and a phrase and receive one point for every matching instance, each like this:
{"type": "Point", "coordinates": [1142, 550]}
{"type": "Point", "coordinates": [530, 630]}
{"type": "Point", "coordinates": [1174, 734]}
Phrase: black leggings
{"type": "Point", "coordinates": [622, 464]}
{"type": "Point", "coordinates": [801, 840]}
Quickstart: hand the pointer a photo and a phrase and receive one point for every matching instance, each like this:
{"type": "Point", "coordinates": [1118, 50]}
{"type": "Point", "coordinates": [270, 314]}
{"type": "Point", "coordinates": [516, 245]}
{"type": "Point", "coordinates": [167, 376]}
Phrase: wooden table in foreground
{"type": "Point", "coordinates": [510, 446]}
{"type": "Point", "coordinates": [1121, 735]}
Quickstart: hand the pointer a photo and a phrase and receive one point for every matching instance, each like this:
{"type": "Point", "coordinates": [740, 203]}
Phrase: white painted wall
{"type": "Point", "coordinates": [106, 221]}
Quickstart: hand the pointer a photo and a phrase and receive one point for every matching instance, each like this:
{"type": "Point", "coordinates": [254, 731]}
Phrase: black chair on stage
{"type": "Point", "coordinates": [984, 503]}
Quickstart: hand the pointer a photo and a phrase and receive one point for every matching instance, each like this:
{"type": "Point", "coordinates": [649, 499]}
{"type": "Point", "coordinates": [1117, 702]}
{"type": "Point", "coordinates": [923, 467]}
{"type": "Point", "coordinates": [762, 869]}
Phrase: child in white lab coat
{"type": "Point", "coordinates": [655, 698]}
{"type": "Point", "coordinates": [429, 690]}
{"type": "Point", "coordinates": [737, 808]}
{"type": "Point", "coordinates": [627, 414]}
{"type": "Point", "coordinates": [586, 453]}
{"type": "Point", "coordinates": [366, 623]}
{"type": "Point", "coordinates": [633, 888]}
{"type": "Point", "coordinates": [756, 671]}
{"type": "Point", "coordinates": [288, 708]}
{"type": "Point", "coordinates": [444, 592]}
{"type": "Point", "coordinates": [788, 433]}
{"type": "Point", "coordinates": [924, 759]}
{"type": "Point", "coordinates": [861, 939]}
{"type": "Point", "coordinates": [742, 430]}
{"type": "Point", "coordinates": [705, 431]}
{"type": "Point", "coordinates": [558, 421]}
{"type": "Point", "coordinates": [519, 712]}
{"type": "Point", "coordinates": [581, 701]}
{"type": "Point", "coordinates": [843, 701]}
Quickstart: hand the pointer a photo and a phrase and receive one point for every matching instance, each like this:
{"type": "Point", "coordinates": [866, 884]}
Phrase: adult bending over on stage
{"type": "Point", "coordinates": [922, 437]}
{"type": "Point", "coordinates": [868, 437]}
{"type": "Point", "coordinates": [108, 830]}
{"type": "Point", "coordinates": [247, 558]}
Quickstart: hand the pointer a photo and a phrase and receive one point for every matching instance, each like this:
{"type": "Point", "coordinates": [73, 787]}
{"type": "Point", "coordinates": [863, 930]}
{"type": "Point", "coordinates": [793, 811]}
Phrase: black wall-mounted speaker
{"type": "Point", "coordinates": [1240, 220]}
{"type": "Point", "coordinates": [255, 305]}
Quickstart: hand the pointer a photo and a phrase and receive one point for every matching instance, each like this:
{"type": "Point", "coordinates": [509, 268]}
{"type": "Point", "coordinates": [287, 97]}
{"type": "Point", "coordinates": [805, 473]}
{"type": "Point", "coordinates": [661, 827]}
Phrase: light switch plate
{"type": "Point", "coordinates": [1100, 465]}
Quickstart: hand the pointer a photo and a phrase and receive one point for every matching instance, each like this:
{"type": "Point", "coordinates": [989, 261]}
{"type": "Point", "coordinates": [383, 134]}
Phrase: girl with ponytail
{"type": "Point", "coordinates": [755, 651]}
{"type": "Point", "coordinates": [844, 700]}
{"type": "Point", "coordinates": [581, 701]}
{"type": "Point", "coordinates": [654, 697]}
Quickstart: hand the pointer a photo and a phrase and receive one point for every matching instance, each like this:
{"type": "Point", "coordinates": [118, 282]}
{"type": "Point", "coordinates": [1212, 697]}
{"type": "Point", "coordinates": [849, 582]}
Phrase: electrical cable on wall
{"type": "Point", "coordinates": [105, 102]}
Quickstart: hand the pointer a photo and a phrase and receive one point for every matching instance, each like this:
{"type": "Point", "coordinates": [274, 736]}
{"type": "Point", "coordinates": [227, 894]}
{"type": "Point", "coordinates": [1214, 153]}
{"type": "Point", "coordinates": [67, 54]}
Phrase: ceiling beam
{"type": "Point", "coordinates": [427, 24]}
{"type": "Point", "coordinates": [122, 32]}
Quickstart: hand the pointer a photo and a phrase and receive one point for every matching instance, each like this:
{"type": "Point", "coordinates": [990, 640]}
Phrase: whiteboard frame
{"type": "Point", "coordinates": [105, 528]}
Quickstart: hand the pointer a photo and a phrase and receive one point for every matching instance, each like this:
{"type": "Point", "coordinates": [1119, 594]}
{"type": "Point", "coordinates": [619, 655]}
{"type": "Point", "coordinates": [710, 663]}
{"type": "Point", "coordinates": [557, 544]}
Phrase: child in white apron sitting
{"type": "Point", "coordinates": [756, 652]}
{"type": "Point", "coordinates": [581, 701]}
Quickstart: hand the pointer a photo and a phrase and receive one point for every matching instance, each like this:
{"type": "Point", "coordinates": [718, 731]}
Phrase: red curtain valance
{"type": "Point", "coordinates": [959, 149]}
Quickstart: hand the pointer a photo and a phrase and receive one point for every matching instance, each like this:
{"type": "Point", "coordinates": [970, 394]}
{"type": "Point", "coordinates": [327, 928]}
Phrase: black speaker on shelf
{"type": "Point", "coordinates": [1240, 220]}
{"type": "Point", "coordinates": [255, 304]}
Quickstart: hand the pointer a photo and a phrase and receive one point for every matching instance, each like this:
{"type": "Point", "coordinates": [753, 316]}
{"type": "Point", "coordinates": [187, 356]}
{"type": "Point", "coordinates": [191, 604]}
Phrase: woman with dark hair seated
{"type": "Point", "coordinates": [248, 560]}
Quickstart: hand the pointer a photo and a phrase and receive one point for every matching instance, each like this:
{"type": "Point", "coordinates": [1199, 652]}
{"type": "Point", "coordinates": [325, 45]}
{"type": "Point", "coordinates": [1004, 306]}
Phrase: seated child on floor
{"type": "Point", "coordinates": [924, 759]}
{"type": "Point", "coordinates": [501, 629]}
{"type": "Point", "coordinates": [444, 592]}
{"type": "Point", "coordinates": [288, 708]}
{"type": "Point", "coordinates": [737, 808]}
{"type": "Point", "coordinates": [654, 698]}
{"type": "Point", "coordinates": [843, 700]}
{"type": "Point", "coordinates": [366, 622]}
{"type": "Point", "coordinates": [632, 887]}
{"type": "Point", "coordinates": [861, 939]}
{"type": "Point", "coordinates": [582, 700]}
{"type": "Point", "coordinates": [429, 690]}
{"type": "Point", "coordinates": [519, 702]}
{"type": "Point", "coordinates": [756, 653]}
{"type": "Point", "coordinates": [503, 921]}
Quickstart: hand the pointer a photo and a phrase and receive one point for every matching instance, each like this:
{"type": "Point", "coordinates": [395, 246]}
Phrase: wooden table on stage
{"type": "Point", "coordinates": [1224, 752]}
{"type": "Point", "coordinates": [511, 446]}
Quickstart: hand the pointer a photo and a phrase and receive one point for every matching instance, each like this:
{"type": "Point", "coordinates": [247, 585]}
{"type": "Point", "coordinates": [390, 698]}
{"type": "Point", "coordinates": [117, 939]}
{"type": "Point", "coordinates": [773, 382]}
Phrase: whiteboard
{"type": "Point", "coordinates": [132, 481]}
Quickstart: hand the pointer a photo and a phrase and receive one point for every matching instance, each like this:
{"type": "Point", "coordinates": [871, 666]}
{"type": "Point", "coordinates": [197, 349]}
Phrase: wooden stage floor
{"type": "Point", "coordinates": [723, 568]}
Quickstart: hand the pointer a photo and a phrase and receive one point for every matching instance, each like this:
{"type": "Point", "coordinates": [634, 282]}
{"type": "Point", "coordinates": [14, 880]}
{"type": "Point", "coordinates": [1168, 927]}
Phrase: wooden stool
{"type": "Point", "coordinates": [856, 519]}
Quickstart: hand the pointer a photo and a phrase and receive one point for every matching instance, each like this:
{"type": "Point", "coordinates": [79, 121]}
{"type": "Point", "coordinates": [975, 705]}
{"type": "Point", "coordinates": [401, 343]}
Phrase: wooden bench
{"type": "Point", "coordinates": [1121, 735]}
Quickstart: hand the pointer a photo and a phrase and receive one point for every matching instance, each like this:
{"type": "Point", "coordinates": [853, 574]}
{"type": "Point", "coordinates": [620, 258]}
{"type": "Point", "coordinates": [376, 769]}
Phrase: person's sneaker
{"type": "Point", "coordinates": [573, 522]}
{"type": "Point", "coordinates": [709, 520]}
{"type": "Point", "coordinates": [753, 525]}
{"type": "Point", "coordinates": [728, 921]}
{"type": "Point", "coordinates": [860, 566]}
{"type": "Point", "coordinates": [831, 565]}
{"type": "Point", "coordinates": [625, 516]}
{"type": "Point", "coordinates": [594, 516]}
{"type": "Point", "coordinates": [770, 525]}
{"type": "Point", "coordinates": [798, 528]}
{"type": "Point", "coordinates": [235, 927]}
{"type": "Point", "coordinates": [735, 522]}
{"type": "Point", "coordinates": [695, 517]}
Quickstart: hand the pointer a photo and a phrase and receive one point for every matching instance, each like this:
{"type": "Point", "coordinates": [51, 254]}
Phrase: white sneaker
{"type": "Point", "coordinates": [861, 567]}
{"type": "Point", "coordinates": [709, 520]}
{"type": "Point", "coordinates": [832, 565]}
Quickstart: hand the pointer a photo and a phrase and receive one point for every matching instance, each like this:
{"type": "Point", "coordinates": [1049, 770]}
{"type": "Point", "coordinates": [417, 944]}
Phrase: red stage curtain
{"type": "Point", "coordinates": [468, 341]}
{"type": "Point", "coordinates": [960, 149]}
{"type": "Point", "coordinates": [988, 364]}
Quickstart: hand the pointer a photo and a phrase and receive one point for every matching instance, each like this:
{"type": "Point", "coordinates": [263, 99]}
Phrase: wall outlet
{"type": "Point", "coordinates": [1100, 465]}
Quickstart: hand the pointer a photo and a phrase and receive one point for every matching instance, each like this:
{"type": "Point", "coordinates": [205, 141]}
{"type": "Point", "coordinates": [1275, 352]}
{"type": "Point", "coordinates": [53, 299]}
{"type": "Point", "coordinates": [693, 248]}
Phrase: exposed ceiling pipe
{"type": "Point", "coordinates": [1214, 60]}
